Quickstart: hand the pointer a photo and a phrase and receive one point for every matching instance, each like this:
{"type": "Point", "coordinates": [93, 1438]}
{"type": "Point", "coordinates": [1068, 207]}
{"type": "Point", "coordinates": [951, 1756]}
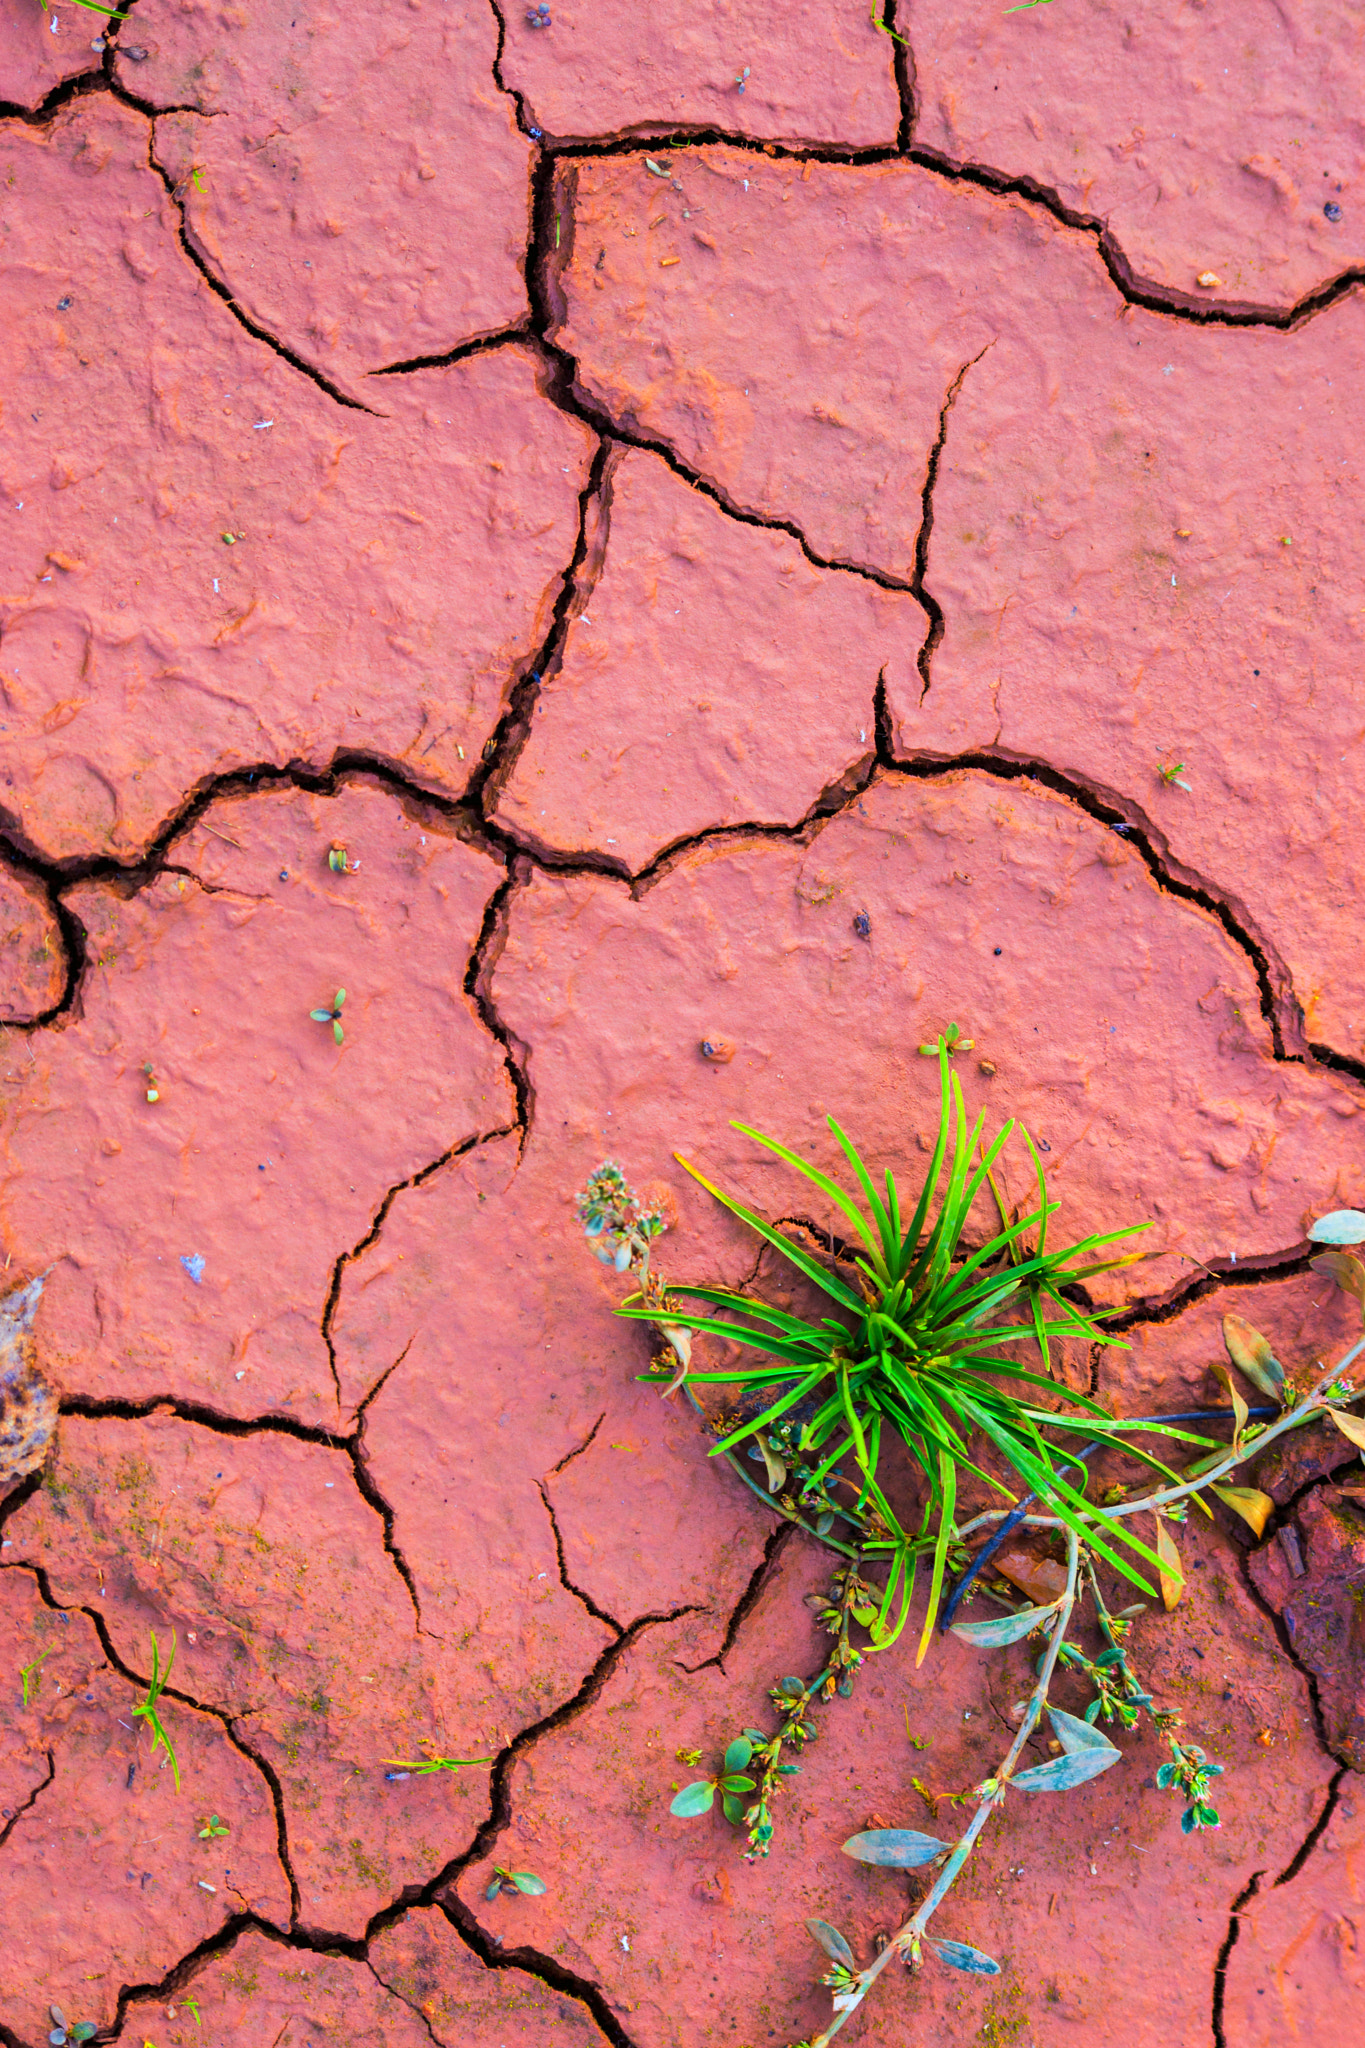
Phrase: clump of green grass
{"type": "Point", "coordinates": [923, 1331]}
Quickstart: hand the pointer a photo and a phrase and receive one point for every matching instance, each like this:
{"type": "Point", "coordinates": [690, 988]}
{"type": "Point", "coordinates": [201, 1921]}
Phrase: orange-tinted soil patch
{"type": "Point", "coordinates": [671, 554]}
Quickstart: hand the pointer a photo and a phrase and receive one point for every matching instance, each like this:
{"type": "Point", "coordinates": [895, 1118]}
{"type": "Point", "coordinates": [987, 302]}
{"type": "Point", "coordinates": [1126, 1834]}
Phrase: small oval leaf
{"type": "Point", "coordinates": [833, 1943]}
{"type": "Point", "coordinates": [894, 1848]}
{"type": "Point", "coordinates": [960, 1955]}
{"type": "Point", "coordinates": [1005, 1628]}
{"type": "Point", "coordinates": [733, 1808]}
{"type": "Point", "coordinates": [1063, 1773]}
{"type": "Point", "coordinates": [527, 1881]}
{"type": "Point", "coordinates": [737, 1755]}
{"type": "Point", "coordinates": [1351, 1426]}
{"type": "Point", "coordinates": [1250, 1503]}
{"type": "Point", "coordinates": [1075, 1735]}
{"type": "Point", "coordinates": [694, 1799]}
{"type": "Point", "coordinates": [1346, 1269]}
{"type": "Point", "coordinates": [1339, 1226]}
{"type": "Point", "coordinates": [1250, 1352]}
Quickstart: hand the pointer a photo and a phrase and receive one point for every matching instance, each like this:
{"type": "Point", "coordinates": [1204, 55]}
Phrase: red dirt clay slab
{"type": "Point", "coordinates": [818, 72]}
{"type": "Point", "coordinates": [260, 1994]}
{"type": "Point", "coordinates": [1169, 1365]}
{"type": "Point", "coordinates": [1312, 1577]}
{"type": "Point", "coordinates": [261, 1554]}
{"type": "Point", "coordinates": [423, 1961]}
{"type": "Point", "coordinates": [42, 46]}
{"type": "Point", "coordinates": [363, 196]}
{"type": "Point", "coordinates": [712, 676]}
{"type": "Point", "coordinates": [196, 1235]}
{"type": "Point", "coordinates": [1213, 137]}
{"type": "Point", "coordinates": [1142, 529]}
{"type": "Point", "coordinates": [1121, 1023]}
{"type": "Point", "coordinates": [483, 1289]}
{"type": "Point", "coordinates": [1296, 1971]}
{"type": "Point", "coordinates": [31, 957]}
{"type": "Point", "coordinates": [685, 1937]}
{"type": "Point", "coordinates": [105, 1879]}
{"type": "Point", "coordinates": [207, 563]}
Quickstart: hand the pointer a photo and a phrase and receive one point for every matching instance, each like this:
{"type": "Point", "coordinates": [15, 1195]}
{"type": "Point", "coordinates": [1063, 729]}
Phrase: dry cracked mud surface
{"type": "Point", "coordinates": [593, 535]}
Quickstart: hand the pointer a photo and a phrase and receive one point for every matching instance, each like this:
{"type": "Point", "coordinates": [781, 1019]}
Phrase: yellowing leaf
{"type": "Point", "coordinates": [1250, 1503]}
{"type": "Point", "coordinates": [1250, 1352]}
{"type": "Point", "coordinates": [1172, 1578]}
{"type": "Point", "coordinates": [1348, 1272]}
{"type": "Point", "coordinates": [1352, 1426]}
{"type": "Point", "coordinates": [1239, 1406]}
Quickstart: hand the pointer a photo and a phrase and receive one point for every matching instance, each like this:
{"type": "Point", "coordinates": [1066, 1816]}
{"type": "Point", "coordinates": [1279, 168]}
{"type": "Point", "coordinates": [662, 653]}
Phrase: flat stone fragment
{"type": "Point", "coordinates": [195, 1235]}
{"type": "Point", "coordinates": [104, 1878]}
{"type": "Point", "coordinates": [589, 1503]}
{"type": "Point", "coordinates": [423, 1961]}
{"type": "Point", "coordinates": [1296, 1971]}
{"type": "Point", "coordinates": [1313, 1582]}
{"type": "Point", "coordinates": [32, 956]}
{"type": "Point", "coordinates": [1151, 566]}
{"type": "Point", "coordinates": [363, 195]}
{"type": "Point", "coordinates": [818, 72]}
{"type": "Point", "coordinates": [793, 330]}
{"type": "Point", "coordinates": [1169, 1365]}
{"type": "Point", "coordinates": [684, 1936]}
{"type": "Point", "coordinates": [206, 564]}
{"type": "Point", "coordinates": [1122, 1024]}
{"type": "Point", "coordinates": [1113, 605]}
{"type": "Point", "coordinates": [36, 57]}
{"type": "Point", "coordinates": [712, 676]}
{"type": "Point", "coordinates": [260, 1992]}
{"type": "Point", "coordinates": [262, 1557]}
{"type": "Point", "coordinates": [1211, 140]}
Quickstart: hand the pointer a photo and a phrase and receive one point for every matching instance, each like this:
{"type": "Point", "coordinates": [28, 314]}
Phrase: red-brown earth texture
{"type": "Point", "coordinates": [571, 577]}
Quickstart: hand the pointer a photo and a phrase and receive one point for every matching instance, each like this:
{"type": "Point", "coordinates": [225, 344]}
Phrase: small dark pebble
{"type": "Point", "coordinates": [998, 951]}
{"type": "Point", "coordinates": [862, 925]}
{"type": "Point", "coordinates": [1043, 1145]}
{"type": "Point", "coordinates": [536, 134]}
{"type": "Point", "coordinates": [284, 874]}
{"type": "Point", "coordinates": [396, 1777]}
{"type": "Point", "coordinates": [132, 1773]}
{"type": "Point", "coordinates": [62, 305]}
{"type": "Point", "coordinates": [136, 55]}
{"type": "Point", "coordinates": [538, 17]}
{"type": "Point", "coordinates": [1332, 210]}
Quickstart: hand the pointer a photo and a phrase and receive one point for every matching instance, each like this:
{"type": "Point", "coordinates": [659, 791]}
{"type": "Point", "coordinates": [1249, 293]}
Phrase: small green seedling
{"type": "Point", "coordinates": [742, 79]}
{"type": "Point", "coordinates": [332, 1016]}
{"type": "Point", "coordinates": [700, 1797]}
{"type": "Point", "coordinates": [28, 1672]}
{"type": "Point", "coordinates": [424, 1764]}
{"type": "Point", "coordinates": [147, 1710]}
{"type": "Point", "coordinates": [1173, 775]}
{"type": "Point", "coordinates": [193, 2005]}
{"type": "Point", "coordinates": [197, 179]}
{"type": "Point", "coordinates": [339, 861]}
{"type": "Point", "coordinates": [515, 1881]}
{"type": "Point", "coordinates": [153, 1092]}
{"type": "Point", "coordinates": [952, 1041]}
{"type": "Point", "coordinates": [82, 2031]}
{"type": "Point", "coordinates": [213, 1827]}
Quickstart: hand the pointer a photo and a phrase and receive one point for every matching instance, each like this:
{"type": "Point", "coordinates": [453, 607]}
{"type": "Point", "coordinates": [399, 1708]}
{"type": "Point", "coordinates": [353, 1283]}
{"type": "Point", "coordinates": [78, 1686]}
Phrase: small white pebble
{"type": "Point", "coordinates": [625, 1943]}
{"type": "Point", "coordinates": [207, 1887]}
{"type": "Point", "coordinates": [329, 1484]}
{"type": "Point", "coordinates": [241, 1375]}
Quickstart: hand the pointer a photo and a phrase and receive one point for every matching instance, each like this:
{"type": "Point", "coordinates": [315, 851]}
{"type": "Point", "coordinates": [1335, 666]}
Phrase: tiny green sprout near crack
{"type": "Point", "coordinates": [952, 1041]}
{"type": "Point", "coordinates": [193, 2005]}
{"type": "Point", "coordinates": [212, 1828]}
{"type": "Point", "coordinates": [30, 1675]}
{"type": "Point", "coordinates": [422, 1766]}
{"type": "Point", "coordinates": [147, 1710]}
{"type": "Point", "coordinates": [83, 2030]}
{"type": "Point", "coordinates": [339, 861]}
{"type": "Point", "coordinates": [332, 1016]}
{"type": "Point", "coordinates": [524, 1881]}
{"type": "Point", "coordinates": [1173, 775]}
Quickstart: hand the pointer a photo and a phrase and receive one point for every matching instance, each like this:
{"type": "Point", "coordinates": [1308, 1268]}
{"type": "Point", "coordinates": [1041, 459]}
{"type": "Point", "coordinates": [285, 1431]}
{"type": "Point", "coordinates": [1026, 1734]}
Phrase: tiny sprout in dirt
{"type": "Point", "coordinates": [1173, 775]}
{"type": "Point", "coordinates": [30, 1675]}
{"type": "Point", "coordinates": [83, 2030]}
{"type": "Point", "coordinates": [424, 1765]}
{"type": "Point", "coordinates": [212, 1827]}
{"type": "Point", "coordinates": [332, 1016]}
{"type": "Point", "coordinates": [339, 861]}
{"type": "Point", "coordinates": [510, 1881]}
{"type": "Point", "coordinates": [147, 1710]}
{"type": "Point", "coordinates": [952, 1041]}
{"type": "Point", "coordinates": [153, 1092]}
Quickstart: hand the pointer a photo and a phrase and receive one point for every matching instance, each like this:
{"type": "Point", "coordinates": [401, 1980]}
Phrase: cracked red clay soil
{"type": "Point", "coordinates": [816, 475]}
